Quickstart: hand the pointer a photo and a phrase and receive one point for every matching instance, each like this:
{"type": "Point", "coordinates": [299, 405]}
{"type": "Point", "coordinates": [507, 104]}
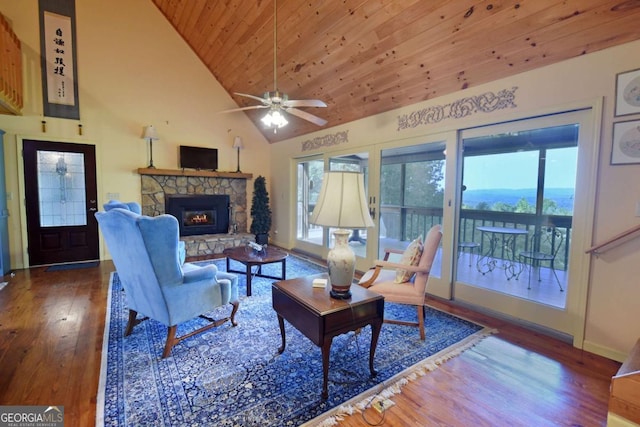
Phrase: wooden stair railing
{"type": "Point", "coordinates": [11, 99]}
{"type": "Point", "coordinates": [624, 395]}
{"type": "Point", "coordinates": [615, 239]}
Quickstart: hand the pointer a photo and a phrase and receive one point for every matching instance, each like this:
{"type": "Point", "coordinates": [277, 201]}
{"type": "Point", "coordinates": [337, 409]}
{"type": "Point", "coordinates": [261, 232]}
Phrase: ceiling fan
{"type": "Point", "coordinates": [278, 102]}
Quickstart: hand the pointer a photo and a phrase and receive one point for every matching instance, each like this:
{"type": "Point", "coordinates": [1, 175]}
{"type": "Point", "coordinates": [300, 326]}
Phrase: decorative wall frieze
{"type": "Point", "coordinates": [326, 141]}
{"type": "Point", "coordinates": [485, 103]}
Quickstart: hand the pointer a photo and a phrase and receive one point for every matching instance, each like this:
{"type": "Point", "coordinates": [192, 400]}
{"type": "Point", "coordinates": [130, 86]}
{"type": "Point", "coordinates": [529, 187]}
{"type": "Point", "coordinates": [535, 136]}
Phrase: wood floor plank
{"type": "Point", "coordinates": [52, 323]}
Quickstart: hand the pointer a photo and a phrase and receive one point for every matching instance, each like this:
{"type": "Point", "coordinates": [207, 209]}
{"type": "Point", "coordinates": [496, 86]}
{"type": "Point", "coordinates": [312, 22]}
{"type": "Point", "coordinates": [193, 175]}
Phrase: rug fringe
{"type": "Point", "coordinates": [363, 401]}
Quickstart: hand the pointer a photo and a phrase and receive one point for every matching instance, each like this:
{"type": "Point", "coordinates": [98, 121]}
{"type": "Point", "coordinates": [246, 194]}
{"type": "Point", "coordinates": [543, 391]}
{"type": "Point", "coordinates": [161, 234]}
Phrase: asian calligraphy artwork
{"type": "Point", "coordinates": [59, 76]}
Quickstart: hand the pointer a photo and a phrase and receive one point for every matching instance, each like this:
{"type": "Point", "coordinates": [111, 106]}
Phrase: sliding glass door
{"type": "Point", "coordinates": [413, 198]}
{"type": "Point", "coordinates": [521, 203]}
{"type": "Point", "coordinates": [309, 181]}
{"type": "Point", "coordinates": [316, 239]}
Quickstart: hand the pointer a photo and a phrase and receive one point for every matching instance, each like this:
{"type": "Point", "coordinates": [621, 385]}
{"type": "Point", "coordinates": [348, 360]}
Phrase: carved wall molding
{"type": "Point", "coordinates": [485, 103]}
{"type": "Point", "coordinates": [326, 141]}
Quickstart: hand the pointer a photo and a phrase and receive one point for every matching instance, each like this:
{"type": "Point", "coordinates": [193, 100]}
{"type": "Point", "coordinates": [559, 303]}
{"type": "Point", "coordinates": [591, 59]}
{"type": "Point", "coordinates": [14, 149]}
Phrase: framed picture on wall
{"type": "Point", "coordinates": [626, 143]}
{"type": "Point", "coordinates": [628, 93]}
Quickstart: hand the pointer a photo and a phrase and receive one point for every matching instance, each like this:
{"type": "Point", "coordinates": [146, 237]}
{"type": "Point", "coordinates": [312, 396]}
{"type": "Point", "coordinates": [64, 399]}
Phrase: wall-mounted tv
{"type": "Point", "coordinates": [198, 158]}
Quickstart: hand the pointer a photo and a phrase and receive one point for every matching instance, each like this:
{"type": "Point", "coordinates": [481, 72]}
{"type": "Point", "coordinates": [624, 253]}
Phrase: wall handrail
{"type": "Point", "coordinates": [595, 249]}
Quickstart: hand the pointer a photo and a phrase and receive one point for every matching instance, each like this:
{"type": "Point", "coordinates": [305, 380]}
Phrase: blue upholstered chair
{"type": "Point", "coordinates": [135, 208]}
{"type": "Point", "coordinates": [157, 285]}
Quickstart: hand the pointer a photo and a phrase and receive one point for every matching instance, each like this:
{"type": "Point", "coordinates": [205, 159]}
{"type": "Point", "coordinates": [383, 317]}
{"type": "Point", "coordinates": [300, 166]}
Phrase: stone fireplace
{"type": "Point", "coordinates": [207, 225]}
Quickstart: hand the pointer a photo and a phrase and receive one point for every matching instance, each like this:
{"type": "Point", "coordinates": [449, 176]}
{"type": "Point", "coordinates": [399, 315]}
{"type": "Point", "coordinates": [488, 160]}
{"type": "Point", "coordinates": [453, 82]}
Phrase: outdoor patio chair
{"type": "Point", "coordinates": [546, 244]}
{"type": "Point", "coordinates": [382, 278]}
{"type": "Point", "coordinates": [471, 247]}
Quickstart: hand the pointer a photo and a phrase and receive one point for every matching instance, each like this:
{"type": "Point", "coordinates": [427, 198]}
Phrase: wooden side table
{"type": "Point", "coordinates": [320, 318]}
{"type": "Point", "coordinates": [249, 258]}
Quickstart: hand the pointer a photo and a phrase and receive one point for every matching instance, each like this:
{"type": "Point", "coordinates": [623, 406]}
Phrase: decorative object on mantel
{"type": "Point", "coordinates": [260, 211]}
{"type": "Point", "coordinates": [342, 203]}
{"type": "Point", "coordinates": [463, 107]}
{"type": "Point", "coordinates": [237, 144]}
{"type": "Point", "coordinates": [326, 141]}
{"type": "Point", "coordinates": [149, 132]}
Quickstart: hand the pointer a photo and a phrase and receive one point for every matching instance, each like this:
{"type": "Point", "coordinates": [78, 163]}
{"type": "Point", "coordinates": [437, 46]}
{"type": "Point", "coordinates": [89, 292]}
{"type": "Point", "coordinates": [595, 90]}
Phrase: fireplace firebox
{"type": "Point", "coordinates": [200, 213]}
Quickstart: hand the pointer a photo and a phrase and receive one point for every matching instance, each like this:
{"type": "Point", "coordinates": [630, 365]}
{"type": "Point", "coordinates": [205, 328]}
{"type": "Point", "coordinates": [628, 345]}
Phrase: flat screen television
{"type": "Point", "coordinates": [198, 158]}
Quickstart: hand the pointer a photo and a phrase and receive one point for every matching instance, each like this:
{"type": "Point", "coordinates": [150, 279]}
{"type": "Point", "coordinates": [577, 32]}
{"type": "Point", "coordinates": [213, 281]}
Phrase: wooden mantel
{"type": "Point", "coordinates": [191, 172]}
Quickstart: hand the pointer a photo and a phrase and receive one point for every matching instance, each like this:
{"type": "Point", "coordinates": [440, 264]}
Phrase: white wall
{"type": "Point", "coordinates": [613, 315]}
{"type": "Point", "coordinates": [133, 70]}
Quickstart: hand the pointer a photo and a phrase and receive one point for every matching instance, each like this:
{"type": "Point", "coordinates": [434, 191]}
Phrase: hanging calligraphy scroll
{"type": "Point", "coordinates": [58, 56]}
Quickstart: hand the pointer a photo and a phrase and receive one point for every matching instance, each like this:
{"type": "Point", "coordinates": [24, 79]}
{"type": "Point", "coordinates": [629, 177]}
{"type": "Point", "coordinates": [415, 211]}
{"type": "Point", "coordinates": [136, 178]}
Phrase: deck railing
{"type": "Point", "coordinates": [406, 223]}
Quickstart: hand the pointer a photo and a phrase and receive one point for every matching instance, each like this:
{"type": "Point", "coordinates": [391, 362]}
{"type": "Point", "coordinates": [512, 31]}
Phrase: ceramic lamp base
{"type": "Point", "coordinates": [342, 264]}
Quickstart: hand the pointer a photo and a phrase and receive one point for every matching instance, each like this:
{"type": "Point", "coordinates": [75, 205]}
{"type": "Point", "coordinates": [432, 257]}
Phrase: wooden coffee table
{"type": "Point", "coordinates": [320, 318]}
{"type": "Point", "coordinates": [248, 257]}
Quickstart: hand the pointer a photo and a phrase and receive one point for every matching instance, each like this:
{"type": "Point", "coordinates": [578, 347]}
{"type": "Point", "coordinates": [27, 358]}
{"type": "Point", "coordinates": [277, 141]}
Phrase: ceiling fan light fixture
{"type": "Point", "coordinates": [274, 119]}
{"type": "Point", "coordinates": [277, 102]}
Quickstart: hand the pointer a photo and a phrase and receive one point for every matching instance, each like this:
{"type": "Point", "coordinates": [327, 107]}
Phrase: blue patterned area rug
{"type": "Point", "coordinates": [234, 376]}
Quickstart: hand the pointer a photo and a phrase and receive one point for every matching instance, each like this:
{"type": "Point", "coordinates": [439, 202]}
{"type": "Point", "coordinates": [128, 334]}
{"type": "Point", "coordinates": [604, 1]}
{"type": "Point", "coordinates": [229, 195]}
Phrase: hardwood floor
{"type": "Point", "coordinates": [51, 324]}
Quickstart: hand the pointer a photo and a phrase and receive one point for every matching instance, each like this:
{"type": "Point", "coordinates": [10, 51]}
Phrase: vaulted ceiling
{"type": "Point", "coordinates": [364, 57]}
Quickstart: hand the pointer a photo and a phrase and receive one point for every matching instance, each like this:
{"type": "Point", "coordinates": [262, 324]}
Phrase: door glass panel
{"type": "Point", "coordinates": [353, 163]}
{"type": "Point", "coordinates": [309, 182]}
{"type": "Point", "coordinates": [518, 187]}
{"type": "Point", "coordinates": [411, 196]}
{"type": "Point", "coordinates": [61, 189]}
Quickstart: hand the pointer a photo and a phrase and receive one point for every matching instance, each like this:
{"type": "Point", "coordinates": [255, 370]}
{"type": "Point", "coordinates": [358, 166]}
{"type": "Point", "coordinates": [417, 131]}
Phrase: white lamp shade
{"type": "Point", "coordinates": [237, 142]}
{"type": "Point", "coordinates": [149, 132]}
{"type": "Point", "coordinates": [342, 202]}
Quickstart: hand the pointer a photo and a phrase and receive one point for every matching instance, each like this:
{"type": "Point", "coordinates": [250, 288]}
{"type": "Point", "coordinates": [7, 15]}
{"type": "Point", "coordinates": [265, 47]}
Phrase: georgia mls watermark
{"type": "Point", "coordinates": [31, 416]}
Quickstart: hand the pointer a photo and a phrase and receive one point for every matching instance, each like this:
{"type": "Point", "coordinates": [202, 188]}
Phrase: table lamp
{"type": "Point", "coordinates": [342, 204]}
{"type": "Point", "coordinates": [149, 132]}
{"type": "Point", "coordinates": [238, 145]}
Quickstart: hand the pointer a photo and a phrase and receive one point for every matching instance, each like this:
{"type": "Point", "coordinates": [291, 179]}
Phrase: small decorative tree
{"type": "Point", "coordinates": [260, 211]}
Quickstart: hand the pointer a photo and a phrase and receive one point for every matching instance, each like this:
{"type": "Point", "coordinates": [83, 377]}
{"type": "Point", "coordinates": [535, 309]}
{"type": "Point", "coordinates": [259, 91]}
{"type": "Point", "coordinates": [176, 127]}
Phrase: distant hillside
{"type": "Point", "coordinates": [562, 196]}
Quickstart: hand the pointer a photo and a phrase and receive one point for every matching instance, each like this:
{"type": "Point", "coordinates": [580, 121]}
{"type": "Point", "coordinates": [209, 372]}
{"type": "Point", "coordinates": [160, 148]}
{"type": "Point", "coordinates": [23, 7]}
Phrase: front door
{"type": "Point", "coordinates": [60, 199]}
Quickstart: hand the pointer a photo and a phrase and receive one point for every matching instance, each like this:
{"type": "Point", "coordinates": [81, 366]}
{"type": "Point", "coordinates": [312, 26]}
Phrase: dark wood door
{"type": "Point", "coordinates": [61, 199]}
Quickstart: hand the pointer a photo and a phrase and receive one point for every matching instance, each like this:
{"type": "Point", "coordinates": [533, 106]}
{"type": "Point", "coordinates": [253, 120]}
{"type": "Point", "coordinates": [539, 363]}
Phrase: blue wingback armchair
{"type": "Point", "coordinates": [135, 208]}
{"type": "Point", "coordinates": [157, 285]}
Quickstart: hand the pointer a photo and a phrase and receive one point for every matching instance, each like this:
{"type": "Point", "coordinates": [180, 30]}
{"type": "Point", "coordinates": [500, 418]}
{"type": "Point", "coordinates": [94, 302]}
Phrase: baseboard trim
{"type": "Point", "coordinates": [603, 351]}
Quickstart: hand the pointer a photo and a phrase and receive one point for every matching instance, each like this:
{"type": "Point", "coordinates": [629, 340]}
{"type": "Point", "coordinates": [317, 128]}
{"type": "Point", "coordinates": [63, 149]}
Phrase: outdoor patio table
{"type": "Point", "coordinates": [500, 237]}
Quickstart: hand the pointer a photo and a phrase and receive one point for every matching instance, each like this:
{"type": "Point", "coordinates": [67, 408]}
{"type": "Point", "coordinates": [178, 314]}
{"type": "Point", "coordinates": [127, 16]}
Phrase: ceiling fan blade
{"type": "Point", "coordinates": [257, 98]}
{"type": "Point", "coordinates": [252, 107]}
{"type": "Point", "coordinates": [307, 116]}
{"type": "Point", "coordinates": [304, 103]}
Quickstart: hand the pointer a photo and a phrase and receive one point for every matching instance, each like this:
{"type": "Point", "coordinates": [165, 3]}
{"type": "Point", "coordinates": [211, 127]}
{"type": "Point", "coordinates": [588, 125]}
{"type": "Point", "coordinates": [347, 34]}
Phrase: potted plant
{"type": "Point", "coordinates": [260, 212]}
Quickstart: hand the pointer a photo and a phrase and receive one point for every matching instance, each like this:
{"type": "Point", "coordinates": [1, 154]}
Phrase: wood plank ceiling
{"type": "Point", "coordinates": [364, 57]}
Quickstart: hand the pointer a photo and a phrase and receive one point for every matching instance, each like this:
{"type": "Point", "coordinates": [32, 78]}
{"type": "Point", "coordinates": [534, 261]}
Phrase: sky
{"type": "Point", "coordinates": [519, 170]}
